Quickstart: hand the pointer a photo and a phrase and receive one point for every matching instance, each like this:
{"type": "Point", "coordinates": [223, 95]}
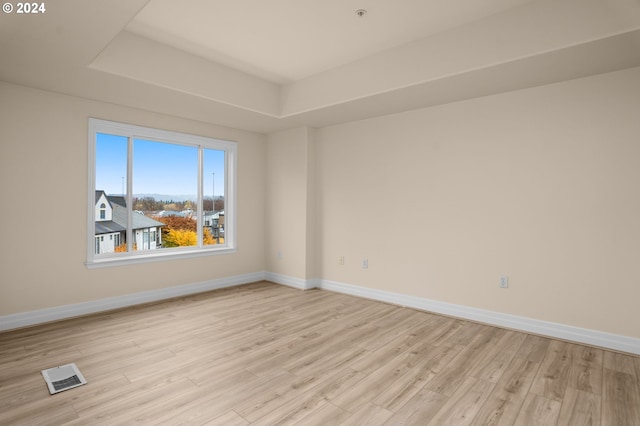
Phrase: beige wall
{"type": "Point", "coordinates": [540, 185]}
{"type": "Point", "coordinates": [43, 173]}
{"type": "Point", "coordinates": [290, 243]}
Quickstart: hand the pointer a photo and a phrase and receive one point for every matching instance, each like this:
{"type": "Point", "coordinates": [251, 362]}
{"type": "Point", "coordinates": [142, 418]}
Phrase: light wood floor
{"type": "Point", "coordinates": [268, 355]}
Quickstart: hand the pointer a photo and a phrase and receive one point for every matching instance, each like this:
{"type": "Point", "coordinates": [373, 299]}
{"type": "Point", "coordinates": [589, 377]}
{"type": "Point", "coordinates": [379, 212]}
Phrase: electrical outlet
{"type": "Point", "coordinates": [341, 260]}
{"type": "Point", "coordinates": [279, 254]}
{"type": "Point", "coordinates": [365, 263]}
{"type": "Point", "coordinates": [504, 281]}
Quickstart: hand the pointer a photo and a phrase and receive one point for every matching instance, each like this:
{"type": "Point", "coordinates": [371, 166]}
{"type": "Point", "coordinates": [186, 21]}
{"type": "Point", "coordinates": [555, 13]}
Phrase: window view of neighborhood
{"type": "Point", "coordinates": [155, 224]}
{"type": "Point", "coordinates": [164, 206]}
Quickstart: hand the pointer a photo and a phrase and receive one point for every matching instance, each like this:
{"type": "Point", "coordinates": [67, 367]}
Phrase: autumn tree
{"type": "Point", "coordinates": [122, 248]}
{"type": "Point", "coordinates": [179, 238]}
{"type": "Point", "coordinates": [177, 222]}
{"type": "Point", "coordinates": [182, 231]}
{"type": "Point", "coordinates": [147, 204]}
{"type": "Point", "coordinates": [207, 237]}
{"type": "Point", "coordinates": [184, 237]}
{"type": "Point", "coordinates": [207, 203]}
{"type": "Point", "coordinates": [172, 207]}
{"type": "Point", "coordinates": [219, 204]}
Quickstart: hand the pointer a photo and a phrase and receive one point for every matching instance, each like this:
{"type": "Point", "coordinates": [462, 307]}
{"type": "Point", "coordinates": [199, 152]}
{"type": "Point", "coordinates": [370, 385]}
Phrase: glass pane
{"type": "Point", "coordinates": [213, 197]}
{"type": "Point", "coordinates": [111, 175]}
{"type": "Point", "coordinates": [165, 184]}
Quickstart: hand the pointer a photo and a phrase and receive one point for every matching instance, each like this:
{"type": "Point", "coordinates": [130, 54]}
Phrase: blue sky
{"type": "Point", "coordinates": [158, 168]}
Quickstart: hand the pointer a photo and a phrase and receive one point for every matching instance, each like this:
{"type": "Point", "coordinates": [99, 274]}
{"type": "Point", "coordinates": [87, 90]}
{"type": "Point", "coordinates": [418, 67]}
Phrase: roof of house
{"type": "Point", "coordinates": [117, 199]}
{"type": "Point", "coordinates": [119, 217]}
{"type": "Point", "coordinates": [99, 193]}
{"type": "Point", "coordinates": [108, 227]}
{"type": "Point", "coordinates": [139, 220]}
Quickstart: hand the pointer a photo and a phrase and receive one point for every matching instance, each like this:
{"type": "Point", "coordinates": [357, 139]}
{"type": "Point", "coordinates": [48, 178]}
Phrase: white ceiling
{"type": "Point", "coordinates": [268, 65]}
{"type": "Point", "coordinates": [288, 40]}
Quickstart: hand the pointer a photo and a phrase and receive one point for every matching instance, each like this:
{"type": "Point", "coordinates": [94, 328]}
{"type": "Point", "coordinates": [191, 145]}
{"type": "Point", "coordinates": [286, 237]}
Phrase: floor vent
{"type": "Point", "coordinates": [63, 377]}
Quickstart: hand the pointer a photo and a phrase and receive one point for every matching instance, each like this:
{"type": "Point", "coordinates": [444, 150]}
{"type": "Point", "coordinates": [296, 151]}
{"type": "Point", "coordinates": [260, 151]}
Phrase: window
{"type": "Point", "coordinates": [156, 194]}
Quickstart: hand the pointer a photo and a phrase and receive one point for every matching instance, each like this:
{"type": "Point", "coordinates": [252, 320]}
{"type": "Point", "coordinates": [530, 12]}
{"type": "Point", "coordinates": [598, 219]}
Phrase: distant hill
{"type": "Point", "coordinates": [164, 197]}
{"type": "Point", "coordinates": [168, 197]}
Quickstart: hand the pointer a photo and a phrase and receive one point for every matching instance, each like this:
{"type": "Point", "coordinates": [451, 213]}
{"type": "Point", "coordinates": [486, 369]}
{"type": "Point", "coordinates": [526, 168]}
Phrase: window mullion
{"type": "Point", "coordinates": [200, 211]}
{"type": "Point", "coordinates": [229, 202]}
{"type": "Point", "coordinates": [129, 195]}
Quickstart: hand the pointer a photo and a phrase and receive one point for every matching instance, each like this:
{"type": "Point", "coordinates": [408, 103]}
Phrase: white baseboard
{"type": "Point", "coordinates": [294, 282]}
{"type": "Point", "coordinates": [560, 331]}
{"type": "Point", "coordinates": [25, 319]}
{"type": "Point", "coordinates": [550, 329]}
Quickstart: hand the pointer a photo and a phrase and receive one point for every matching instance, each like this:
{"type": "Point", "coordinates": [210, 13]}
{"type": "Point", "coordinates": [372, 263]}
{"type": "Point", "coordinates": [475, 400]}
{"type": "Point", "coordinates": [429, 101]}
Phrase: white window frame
{"type": "Point", "coordinates": [138, 132]}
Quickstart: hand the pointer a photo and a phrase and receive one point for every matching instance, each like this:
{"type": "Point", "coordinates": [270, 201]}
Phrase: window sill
{"type": "Point", "coordinates": [135, 258]}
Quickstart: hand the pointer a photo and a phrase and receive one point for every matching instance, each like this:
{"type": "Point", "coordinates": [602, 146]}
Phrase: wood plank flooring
{"type": "Point", "coordinates": [264, 354]}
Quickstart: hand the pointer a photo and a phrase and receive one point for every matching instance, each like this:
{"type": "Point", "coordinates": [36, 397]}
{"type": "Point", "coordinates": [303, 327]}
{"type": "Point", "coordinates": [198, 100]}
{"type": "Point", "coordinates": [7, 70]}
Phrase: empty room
{"type": "Point", "coordinates": [336, 212]}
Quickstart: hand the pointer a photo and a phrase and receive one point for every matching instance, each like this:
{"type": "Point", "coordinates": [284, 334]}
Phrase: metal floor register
{"type": "Point", "coordinates": [63, 377]}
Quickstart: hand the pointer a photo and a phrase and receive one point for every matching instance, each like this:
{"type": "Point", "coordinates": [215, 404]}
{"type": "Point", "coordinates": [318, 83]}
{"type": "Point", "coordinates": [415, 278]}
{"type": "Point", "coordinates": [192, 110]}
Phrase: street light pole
{"type": "Point", "coordinates": [214, 227]}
